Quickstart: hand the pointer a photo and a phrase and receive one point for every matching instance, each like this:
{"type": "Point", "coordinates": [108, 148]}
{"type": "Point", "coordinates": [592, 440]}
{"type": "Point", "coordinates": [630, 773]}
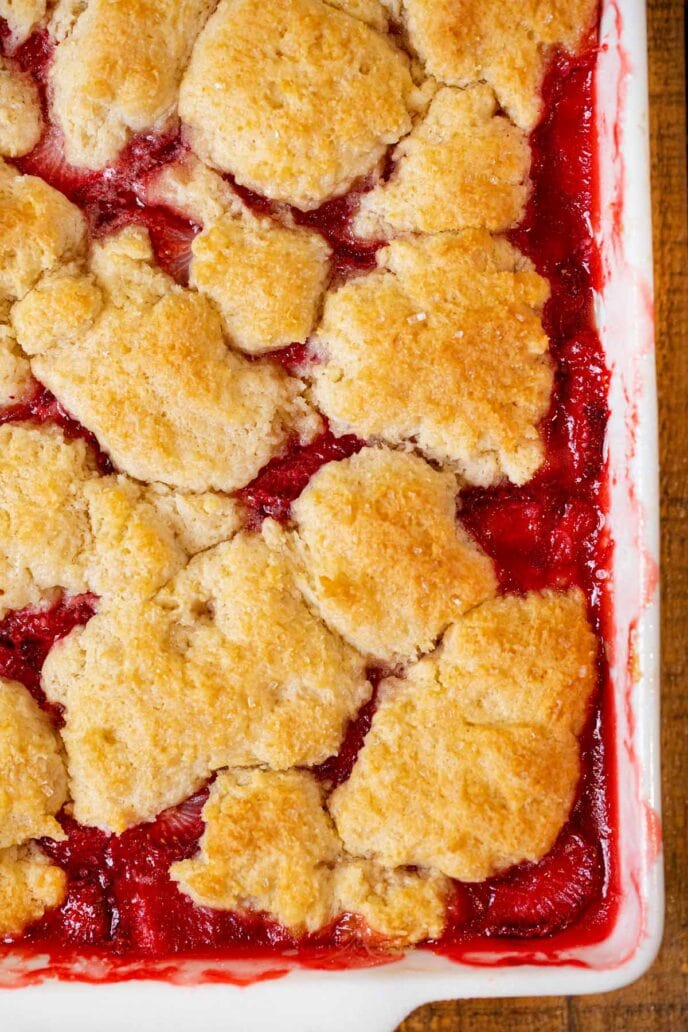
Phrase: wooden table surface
{"type": "Point", "coordinates": [659, 1001]}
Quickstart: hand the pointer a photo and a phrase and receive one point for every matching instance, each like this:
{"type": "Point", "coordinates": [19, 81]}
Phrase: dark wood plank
{"type": "Point", "coordinates": [659, 1001]}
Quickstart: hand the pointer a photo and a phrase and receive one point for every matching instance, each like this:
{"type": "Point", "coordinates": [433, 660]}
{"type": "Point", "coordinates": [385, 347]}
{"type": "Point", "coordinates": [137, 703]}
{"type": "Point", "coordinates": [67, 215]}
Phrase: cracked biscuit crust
{"type": "Point", "coordinates": [29, 885]}
{"type": "Point", "coordinates": [462, 166]}
{"type": "Point", "coordinates": [505, 42]}
{"type": "Point", "coordinates": [442, 346]}
{"type": "Point", "coordinates": [39, 229]}
{"type": "Point", "coordinates": [226, 666]}
{"type": "Point", "coordinates": [107, 535]}
{"type": "Point", "coordinates": [33, 780]}
{"type": "Point", "coordinates": [297, 99]}
{"type": "Point", "coordinates": [117, 73]}
{"type": "Point", "coordinates": [171, 402]}
{"type": "Point", "coordinates": [472, 762]}
{"type": "Point", "coordinates": [383, 557]}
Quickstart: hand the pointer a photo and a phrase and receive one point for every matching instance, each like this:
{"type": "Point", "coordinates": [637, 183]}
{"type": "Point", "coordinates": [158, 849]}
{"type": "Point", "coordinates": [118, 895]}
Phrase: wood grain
{"type": "Point", "coordinates": [659, 1001]}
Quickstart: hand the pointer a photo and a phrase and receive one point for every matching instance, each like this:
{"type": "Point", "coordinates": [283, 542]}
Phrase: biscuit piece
{"type": "Point", "coordinates": [117, 73]}
{"type": "Point", "coordinates": [20, 111]}
{"type": "Point", "coordinates": [462, 166]}
{"type": "Point", "coordinates": [384, 559]}
{"type": "Point", "coordinates": [471, 764]}
{"type": "Point", "coordinates": [170, 402]}
{"type": "Point", "coordinates": [33, 780]}
{"type": "Point", "coordinates": [297, 99]}
{"type": "Point", "coordinates": [43, 518]}
{"type": "Point", "coordinates": [22, 17]}
{"type": "Point", "coordinates": [403, 906]}
{"type": "Point", "coordinates": [442, 346]}
{"type": "Point", "coordinates": [268, 845]}
{"type": "Point", "coordinates": [224, 667]}
{"type": "Point", "coordinates": [91, 533]}
{"type": "Point", "coordinates": [266, 280]}
{"type": "Point", "coordinates": [39, 228]}
{"type": "Point", "coordinates": [29, 886]}
{"type": "Point", "coordinates": [505, 42]}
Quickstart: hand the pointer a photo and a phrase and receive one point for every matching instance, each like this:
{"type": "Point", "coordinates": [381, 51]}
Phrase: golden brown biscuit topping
{"type": "Point", "coordinates": [39, 229]}
{"type": "Point", "coordinates": [296, 99]}
{"type": "Point", "coordinates": [173, 403]}
{"type": "Point", "coordinates": [225, 666]}
{"type": "Point", "coordinates": [33, 782]}
{"type": "Point", "coordinates": [107, 535]}
{"type": "Point", "coordinates": [269, 845]}
{"type": "Point", "coordinates": [20, 111]}
{"type": "Point", "coordinates": [472, 761]}
{"type": "Point", "coordinates": [505, 42]}
{"type": "Point", "coordinates": [338, 173]}
{"type": "Point", "coordinates": [381, 525]}
{"type": "Point", "coordinates": [462, 166]}
{"type": "Point", "coordinates": [442, 346]}
{"type": "Point", "coordinates": [102, 94]}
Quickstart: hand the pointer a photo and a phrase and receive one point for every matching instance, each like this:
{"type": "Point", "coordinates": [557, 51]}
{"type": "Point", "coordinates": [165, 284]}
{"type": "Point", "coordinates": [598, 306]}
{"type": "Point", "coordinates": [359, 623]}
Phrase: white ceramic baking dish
{"type": "Point", "coordinates": [375, 1000]}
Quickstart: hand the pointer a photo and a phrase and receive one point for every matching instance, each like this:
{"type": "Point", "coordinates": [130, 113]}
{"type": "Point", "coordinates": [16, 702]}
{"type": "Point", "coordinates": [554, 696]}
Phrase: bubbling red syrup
{"type": "Point", "coordinates": [121, 902]}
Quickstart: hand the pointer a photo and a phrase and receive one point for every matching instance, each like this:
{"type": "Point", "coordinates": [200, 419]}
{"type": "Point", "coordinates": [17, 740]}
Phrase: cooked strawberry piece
{"type": "Point", "coordinates": [543, 898]}
{"type": "Point", "coordinates": [178, 829]}
{"type": "Point", "coordinates": [157, 919]}
{"type": "Point", "coordinates": [47, 160]}
{"type": "Point", "coordinates": [85, 916]}
{"type": "Point", "coordinates": [109, 197]}
{"type": "Point", "coordinates": [82, 854]}
{"type": "Point", "coordinates": [171, 237]}
{"type": "Point", "coordinates": [35, 54]}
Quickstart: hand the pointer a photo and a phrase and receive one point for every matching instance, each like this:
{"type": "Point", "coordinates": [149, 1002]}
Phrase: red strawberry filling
{"type": "Point", "coordinates": [545, 534]}
{"type": "Point", "coordinates": [332, 220]}
{"type": "Point", "coordinates": [283, 479]}
{"type": "Point", "coordinates": [27, 635]}
{"type": "Point", "coordinates": [546, 897]}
